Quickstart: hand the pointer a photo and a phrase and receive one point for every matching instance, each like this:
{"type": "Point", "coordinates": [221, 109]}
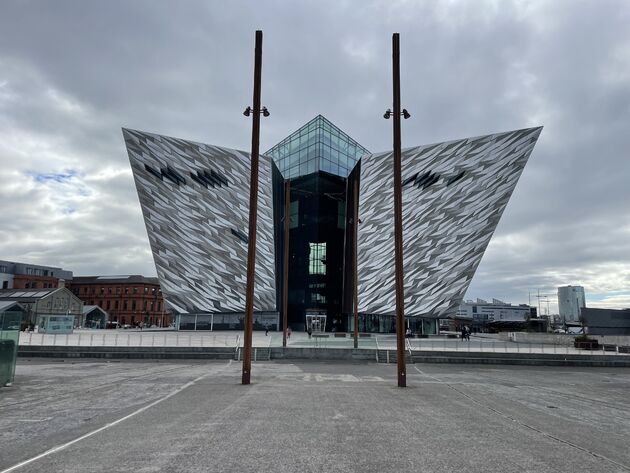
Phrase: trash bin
{"type": "Point", "coordinates": [9, 336]}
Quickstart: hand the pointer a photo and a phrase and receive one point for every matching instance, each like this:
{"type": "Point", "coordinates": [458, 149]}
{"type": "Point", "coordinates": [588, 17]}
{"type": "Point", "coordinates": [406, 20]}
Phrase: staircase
{"type": "Point", "coordinates": [391, 356]}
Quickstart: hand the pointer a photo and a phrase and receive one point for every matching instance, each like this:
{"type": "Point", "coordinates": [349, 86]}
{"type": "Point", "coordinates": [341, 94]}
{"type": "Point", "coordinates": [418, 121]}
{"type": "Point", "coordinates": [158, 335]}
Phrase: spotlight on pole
{"type": "Point", "coordinates": [388, 113]}
{"type": "Point", "coordinates": [405, 113]}
{"type": "Point", "coordinates": [249, 110]}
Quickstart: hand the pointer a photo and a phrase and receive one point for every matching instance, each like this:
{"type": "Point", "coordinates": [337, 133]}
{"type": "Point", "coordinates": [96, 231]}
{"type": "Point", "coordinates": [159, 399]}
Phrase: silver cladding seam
{"type": "Point", "coordinates": [454, 196]}
{"type": "Point", "coordinates": [193, 229]}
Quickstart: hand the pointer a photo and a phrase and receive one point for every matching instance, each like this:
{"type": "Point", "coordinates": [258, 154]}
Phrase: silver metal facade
{"type": "Point", "coordinates": [453, 196]}
{"type": "Point", "coordinates": [195, 202]}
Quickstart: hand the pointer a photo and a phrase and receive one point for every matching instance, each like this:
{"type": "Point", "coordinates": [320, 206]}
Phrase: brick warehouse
{"type": "Point", "coordinates": [127, 299]}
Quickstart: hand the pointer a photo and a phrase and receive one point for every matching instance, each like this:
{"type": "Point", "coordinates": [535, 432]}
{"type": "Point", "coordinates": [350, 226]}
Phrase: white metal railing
{"type": "Point", "coordinates": [170, 338]}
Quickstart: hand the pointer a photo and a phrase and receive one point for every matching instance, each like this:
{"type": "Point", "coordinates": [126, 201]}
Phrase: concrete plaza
{"type": "Point", "coordinates": [85, 416]}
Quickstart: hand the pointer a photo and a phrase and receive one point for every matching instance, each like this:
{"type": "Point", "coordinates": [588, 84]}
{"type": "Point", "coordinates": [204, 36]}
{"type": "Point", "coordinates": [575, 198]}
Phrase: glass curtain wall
{"type": "Point", "coordinates": [317, 159]}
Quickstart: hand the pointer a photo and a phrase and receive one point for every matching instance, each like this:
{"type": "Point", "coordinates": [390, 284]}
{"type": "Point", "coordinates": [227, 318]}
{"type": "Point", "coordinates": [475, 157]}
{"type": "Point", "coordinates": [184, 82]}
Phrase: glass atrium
{"type": "Point", "coordinates": [317, 146]}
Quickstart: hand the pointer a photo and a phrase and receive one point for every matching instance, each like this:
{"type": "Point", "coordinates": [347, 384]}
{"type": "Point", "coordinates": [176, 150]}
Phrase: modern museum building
{"type": "Point", "coordinates": [195, 203]}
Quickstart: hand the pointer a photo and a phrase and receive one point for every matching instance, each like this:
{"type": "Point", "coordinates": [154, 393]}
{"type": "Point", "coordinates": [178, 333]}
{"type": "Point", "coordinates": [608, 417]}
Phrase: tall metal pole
{"type": "Point", "coordinates": [355, 278]}
{"type": "Point", "coordinates": [253, 214]}
{"type": "Point", "coordinates": [398, 237]}
{"type": "Point", "coordinates": [285, 263]}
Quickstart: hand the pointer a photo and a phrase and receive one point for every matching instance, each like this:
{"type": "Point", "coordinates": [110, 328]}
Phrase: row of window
{"type": "Point", "coordinates": [126, 305]}
{"type": "Point", "coordinates": [38, 272]}
{"type": "Point", "coordinates": [134, 290]}
{"type": "Point", "coordinates": [33, 285]}
{"type": "Point", "coordinates": [205, 178]}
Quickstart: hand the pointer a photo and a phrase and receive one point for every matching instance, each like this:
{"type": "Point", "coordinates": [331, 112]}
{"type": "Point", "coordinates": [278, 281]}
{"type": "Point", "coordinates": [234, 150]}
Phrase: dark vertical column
{"type": "Point", "coordinates": [355, 269]}
{"type": "Point", "coordinates": [253, 214]}
{"type": "Point", "coordinates": [398, 237]}
{"type": "Point", "coordinates": [285, 263]}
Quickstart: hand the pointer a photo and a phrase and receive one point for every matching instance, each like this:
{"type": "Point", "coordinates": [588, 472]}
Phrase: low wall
{"type": "Point", "coordinates": [622, 340]}
{"type": "Point", "coordinates": [528, 359]}
{"type": "Point", "coordinates": [327, 354]}
{"type": "Point", "coordinates": [205, 353]}
{"type": "Point", "coordinates": [537, 337]}
{"type": "Point", "coordinates": [561, 339]}
{"type": "Point", "coordinates": [322, 354]}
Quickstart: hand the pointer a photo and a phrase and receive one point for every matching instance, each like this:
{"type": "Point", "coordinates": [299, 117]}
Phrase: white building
{"type": "Point", "coordinates": [484, 315]}
{"type": "Point", "coordinates": [571, 300]}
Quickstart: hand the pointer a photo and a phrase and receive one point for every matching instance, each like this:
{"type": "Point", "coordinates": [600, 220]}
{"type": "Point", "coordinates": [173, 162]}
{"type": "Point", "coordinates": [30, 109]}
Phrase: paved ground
{"type": "Point", "coordinates": [196, 417]}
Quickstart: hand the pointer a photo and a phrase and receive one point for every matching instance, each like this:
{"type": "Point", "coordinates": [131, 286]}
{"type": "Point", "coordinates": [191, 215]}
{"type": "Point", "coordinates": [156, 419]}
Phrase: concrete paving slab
{"type": "Point", "coordinates": [309, 416]}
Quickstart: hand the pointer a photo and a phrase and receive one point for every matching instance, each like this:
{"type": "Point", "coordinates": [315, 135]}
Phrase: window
{"type": "Point", "coordinates": [294, 214]}
{"type": "Point", "coordinates": [133, 304]}
{"type": "Point", "coordinates": [117, 290]}
{"type": "Point", "coordinates": [124, 305]}
{"type": "Point", "coordinates": [146, 290]}
{"type": "Point", "coordinates": [341, 215]}
{"type": "Point", "coordinates": [135, 290]}
{"type": "Point", "coordinates": [159, 304]}
{"type": "Point", "coordinates": [317, 258]}
{"type": "Point", "coordinates": [126, 290]}
{"type": "Point", "coordinates": [107, 305]}
{"type": "Point", "coordinates": [109, 290]}
{"type": "Point", "coordinates": [116, 305]}
{"type": "Point", "coordinates": [102, 290]}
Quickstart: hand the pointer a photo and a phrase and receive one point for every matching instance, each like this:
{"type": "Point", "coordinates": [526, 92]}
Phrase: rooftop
{"type": "Point", "coordinates": [317, 146]}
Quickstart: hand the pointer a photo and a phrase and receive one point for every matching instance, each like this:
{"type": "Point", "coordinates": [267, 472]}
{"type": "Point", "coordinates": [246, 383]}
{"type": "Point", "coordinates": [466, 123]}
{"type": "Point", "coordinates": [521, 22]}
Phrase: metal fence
{"type": "Point", "coordinates": [170, 338]}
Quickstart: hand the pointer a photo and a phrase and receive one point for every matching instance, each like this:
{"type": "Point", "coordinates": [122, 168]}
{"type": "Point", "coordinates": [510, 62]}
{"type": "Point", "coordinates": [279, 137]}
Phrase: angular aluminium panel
{"type": "Point", "coordinates": [453, 196]}
{"type": "Point", "coordinates": [195, 202]}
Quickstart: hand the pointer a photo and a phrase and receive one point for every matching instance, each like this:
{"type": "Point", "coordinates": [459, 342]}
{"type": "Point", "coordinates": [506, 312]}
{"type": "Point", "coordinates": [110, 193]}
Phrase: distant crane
{"type": "Point", "coordinates": [544, 298]}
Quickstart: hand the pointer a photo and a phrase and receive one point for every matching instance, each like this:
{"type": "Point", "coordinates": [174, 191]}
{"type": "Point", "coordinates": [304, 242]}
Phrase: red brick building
{"type": "Point", "coordinates": [127, 299]}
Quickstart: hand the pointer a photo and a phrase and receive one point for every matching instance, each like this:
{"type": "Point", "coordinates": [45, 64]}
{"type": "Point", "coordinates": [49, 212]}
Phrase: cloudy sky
{"type": "Point", "coordinates": [72, 73]}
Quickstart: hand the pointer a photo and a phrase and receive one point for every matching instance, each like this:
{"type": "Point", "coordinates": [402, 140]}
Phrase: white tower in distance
{"type": "Point", "coordinates": [570, 302]}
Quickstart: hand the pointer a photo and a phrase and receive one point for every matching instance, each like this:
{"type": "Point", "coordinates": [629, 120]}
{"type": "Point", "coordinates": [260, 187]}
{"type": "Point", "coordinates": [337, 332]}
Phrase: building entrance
{"type": "Point", "coordinates": [316, 321]}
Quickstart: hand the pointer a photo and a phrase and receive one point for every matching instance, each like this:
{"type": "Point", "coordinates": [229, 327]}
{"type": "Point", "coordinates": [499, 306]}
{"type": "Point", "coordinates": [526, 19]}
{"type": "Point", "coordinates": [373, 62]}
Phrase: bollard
{"type": "Point", "coordinates": [164, 338]}
{"type": "Point", "coordinates": [153, 340]}
{"type": "Point", "coordinates": [128, 339]}
{"type": "Point", "coordinates": [103, 338]}
{"type": "Point", "coordinates": [54, 339]}
{"type": "Point", "coordinates": [116, 340]}
{"type": "Point", "coordinates": [79, 338]}
{"type": "Point", "coordinates": [66, 339]}
{"type": "Point", "coordinates": [177, 340]}
{"type": "Point", "coordinates": [91, 339]}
